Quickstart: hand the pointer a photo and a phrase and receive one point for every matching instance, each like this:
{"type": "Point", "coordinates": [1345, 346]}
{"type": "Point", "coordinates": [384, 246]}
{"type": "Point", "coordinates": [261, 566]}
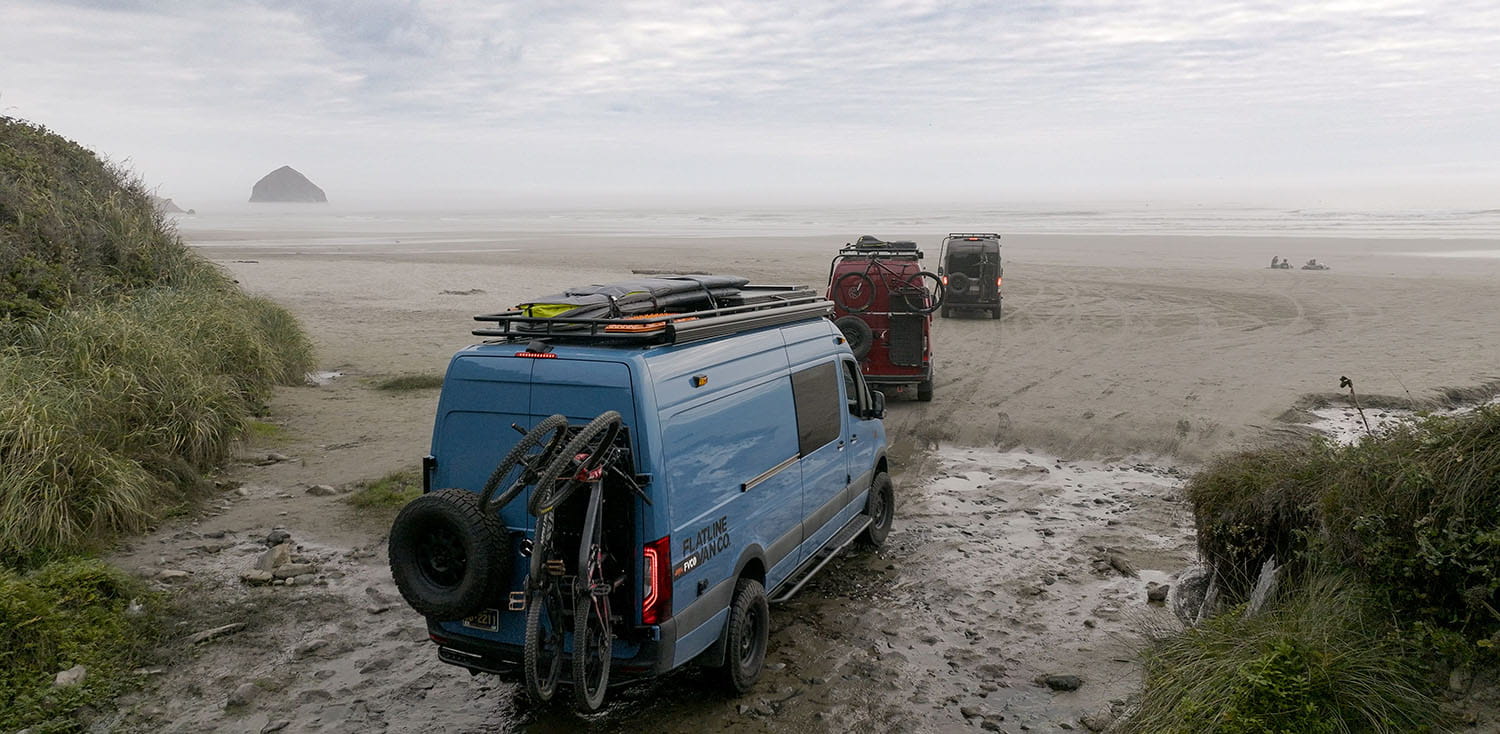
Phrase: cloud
{"type": "Point", "coordinates": [743, 94]}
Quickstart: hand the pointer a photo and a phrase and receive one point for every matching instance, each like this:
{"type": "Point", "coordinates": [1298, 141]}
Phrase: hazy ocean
{"type": "Point", "coordinates": [329, 225]}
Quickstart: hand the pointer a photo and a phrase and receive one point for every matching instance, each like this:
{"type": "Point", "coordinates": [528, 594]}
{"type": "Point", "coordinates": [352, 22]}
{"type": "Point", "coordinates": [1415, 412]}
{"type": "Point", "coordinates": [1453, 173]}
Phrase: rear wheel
{"type": "Point", "coordinates": [881, 507]}
{"type": "Point", "coordinates": [947, 312]}
{"type": "Point", "coordinates": [923, 292]}
{"type": "Point", "coordinates": [924, 391]}
{"type": "Point", "coordinates": [854, 292]}
{"type": "Point", "coordinates": [745, 636]}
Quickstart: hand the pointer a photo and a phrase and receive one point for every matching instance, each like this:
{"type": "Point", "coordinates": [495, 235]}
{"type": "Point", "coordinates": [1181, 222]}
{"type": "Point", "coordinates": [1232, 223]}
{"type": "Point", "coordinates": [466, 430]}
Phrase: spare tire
{"type": "Point", "coordinates": [858, 333]}
{"type": "Point", "coordinates": [448, 558]}
{"type": "Point", "coordinates": [958, 282]}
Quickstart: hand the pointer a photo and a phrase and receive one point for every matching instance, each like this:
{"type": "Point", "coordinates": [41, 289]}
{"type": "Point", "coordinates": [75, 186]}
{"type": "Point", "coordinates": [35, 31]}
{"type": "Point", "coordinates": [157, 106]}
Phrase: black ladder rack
{"type": "Point", "coordinates": [759, 306]}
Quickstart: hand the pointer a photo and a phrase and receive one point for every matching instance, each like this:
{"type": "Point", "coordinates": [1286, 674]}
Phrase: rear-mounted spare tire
{"type": "Point", "coordinates": [857, 333]}
{"type": "Point", "coordinates": [448, 558]}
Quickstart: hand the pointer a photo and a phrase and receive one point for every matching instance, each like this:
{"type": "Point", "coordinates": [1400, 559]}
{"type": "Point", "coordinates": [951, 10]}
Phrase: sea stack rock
{"type": "Point", "coordinates": [286, 184]}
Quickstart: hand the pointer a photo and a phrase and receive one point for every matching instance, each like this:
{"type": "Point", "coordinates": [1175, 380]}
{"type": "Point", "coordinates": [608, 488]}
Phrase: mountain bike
{"type": "Point", "coordinates": [856, 291]}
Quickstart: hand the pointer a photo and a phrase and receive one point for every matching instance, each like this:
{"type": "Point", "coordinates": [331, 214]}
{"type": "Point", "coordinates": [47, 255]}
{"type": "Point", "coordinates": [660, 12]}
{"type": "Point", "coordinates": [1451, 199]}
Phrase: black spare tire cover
{"type": "Point", "coordinates": [958, 282]}
{"type": "Point", "coordinates": [858, 333]}
{"type": "Point", "coordinates": [448, 558]}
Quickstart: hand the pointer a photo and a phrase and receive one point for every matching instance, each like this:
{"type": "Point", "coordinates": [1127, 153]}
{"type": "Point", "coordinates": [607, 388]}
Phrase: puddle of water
{"type": "Point", "coordinates": [317, 379]}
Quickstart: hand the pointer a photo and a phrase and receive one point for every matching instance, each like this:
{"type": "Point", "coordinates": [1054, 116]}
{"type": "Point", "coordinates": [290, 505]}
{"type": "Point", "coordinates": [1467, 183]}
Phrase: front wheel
{"type": "Point", "coordinates": [854, 292]}
{"type": "Point", "coordinates": [592, 644]}
{"type": "Point", "coordinates": [543, 652]}
{"type": "Point", "coordinates": [923, 292]}
{"type": "Point", "coordinates": [745, 636]}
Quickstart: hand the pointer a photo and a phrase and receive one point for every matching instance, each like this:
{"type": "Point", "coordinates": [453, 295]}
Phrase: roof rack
{"type": "Point", "coordinates": [960, 235]}
{"type": "Point", "coordinates": [759, 306]}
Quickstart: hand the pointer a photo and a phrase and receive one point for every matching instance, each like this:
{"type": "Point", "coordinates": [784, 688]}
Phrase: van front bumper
{"type": "Point", "coordinates": [653, 657]}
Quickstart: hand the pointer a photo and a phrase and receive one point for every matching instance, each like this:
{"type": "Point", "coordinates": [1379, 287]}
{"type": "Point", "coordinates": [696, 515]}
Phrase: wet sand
{"type": "Point", "coordinates": [1056, 439]}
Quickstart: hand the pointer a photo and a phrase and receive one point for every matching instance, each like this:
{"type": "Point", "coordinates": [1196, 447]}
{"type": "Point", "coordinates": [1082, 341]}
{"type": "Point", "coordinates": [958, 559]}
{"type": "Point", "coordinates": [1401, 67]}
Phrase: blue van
{"type": "Point", "coordinates": [722, 452]}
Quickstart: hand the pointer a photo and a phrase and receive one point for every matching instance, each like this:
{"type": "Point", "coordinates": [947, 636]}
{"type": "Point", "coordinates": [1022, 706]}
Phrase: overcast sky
{"type": "Point", "coordinates": [1362, 102]}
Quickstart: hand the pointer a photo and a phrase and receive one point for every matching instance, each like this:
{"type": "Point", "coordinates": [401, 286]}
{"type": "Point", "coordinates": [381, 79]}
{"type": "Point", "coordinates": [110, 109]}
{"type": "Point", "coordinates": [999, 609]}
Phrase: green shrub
{"type": "Point", "coordinates": [1320, 661]}
{"type": "Point", "coordinates": [67, 613]}
{"type": "Point", "coordinates": [1414, 510]}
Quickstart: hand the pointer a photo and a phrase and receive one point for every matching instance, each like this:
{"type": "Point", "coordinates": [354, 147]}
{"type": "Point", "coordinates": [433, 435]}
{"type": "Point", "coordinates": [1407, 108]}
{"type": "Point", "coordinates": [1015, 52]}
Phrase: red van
{"type": "Point", "coordinates": [883, 304]}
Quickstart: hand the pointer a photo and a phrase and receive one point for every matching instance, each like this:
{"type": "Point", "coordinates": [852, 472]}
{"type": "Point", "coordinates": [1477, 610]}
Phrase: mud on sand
{"type": "Point", "coordinates": [1004, 565]}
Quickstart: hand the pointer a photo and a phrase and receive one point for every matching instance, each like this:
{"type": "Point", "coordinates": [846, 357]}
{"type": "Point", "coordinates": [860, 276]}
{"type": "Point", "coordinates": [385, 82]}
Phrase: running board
{"type": "Point", "coordinates": [817, 561]}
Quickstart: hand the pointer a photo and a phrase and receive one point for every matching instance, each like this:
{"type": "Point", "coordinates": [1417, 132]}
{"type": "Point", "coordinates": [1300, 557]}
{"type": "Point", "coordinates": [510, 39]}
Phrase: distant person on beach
{"type": "Point", "coordinates": [1275, 261]}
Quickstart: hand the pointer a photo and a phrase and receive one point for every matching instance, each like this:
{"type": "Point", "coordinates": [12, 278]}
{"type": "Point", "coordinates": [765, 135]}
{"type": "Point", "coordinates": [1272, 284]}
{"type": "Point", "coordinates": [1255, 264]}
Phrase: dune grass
{"type": "Point", "coordinates": [407, 383]}
{"type": "Point", "coordinates": [1320, 662]}
{"type": "Point", "coordinates": [1391, 555]}
{"type": "Point", "coordinates": [128, 365]}
{"type": "Point", "coordinates": [391, 491]}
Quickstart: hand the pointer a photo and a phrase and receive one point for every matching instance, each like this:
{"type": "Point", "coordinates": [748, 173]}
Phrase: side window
{"type": "Point", "coordinates": [816, 393]}
{"type": "Point", "coordinates": [854, 393]}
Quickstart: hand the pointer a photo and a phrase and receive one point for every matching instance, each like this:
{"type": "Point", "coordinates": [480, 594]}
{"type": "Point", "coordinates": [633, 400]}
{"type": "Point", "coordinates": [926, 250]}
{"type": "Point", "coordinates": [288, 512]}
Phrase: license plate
{"type": "Point", "coordinates": [487, 620]}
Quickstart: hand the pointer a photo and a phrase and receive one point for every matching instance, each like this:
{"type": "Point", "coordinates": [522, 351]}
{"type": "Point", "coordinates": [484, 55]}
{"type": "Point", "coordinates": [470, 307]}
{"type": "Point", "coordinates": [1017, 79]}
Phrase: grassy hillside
{"type": "Point", "coordinates": [128, 365]}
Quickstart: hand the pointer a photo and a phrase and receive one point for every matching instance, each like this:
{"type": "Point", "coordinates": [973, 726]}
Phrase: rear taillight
{"type": "Point", "coordinates": [656, 584]}
{"type": "Point", "coordinates": [997, 282]}
{"type": "Point", "coordinates": [945, 280]}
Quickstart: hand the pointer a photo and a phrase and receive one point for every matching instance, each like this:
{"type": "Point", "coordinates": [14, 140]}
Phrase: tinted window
{"type": "Point", "coordinates": [852, 393]}
{"type": "Point", "coordinates": [816, 392]}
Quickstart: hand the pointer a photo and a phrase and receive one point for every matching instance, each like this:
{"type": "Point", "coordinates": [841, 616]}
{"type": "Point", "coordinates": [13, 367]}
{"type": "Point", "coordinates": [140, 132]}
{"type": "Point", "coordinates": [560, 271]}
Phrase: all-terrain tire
{"type": "Point", "coordinates": [857, 333]}
{"type": "Point", "coordinates": [947, 312]}
{"type": "Point", "coordinates": [881, 507]}
{"type": "Point", "coordinates": [745, 636]}
{"type": "Point", "coordinates": [449, 558]}
{"type": "Point", "coordinates": [924, 391]}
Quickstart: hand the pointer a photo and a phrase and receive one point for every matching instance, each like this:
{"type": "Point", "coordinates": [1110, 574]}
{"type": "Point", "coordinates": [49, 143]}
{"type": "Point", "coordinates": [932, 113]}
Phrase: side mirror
{"type": "Point", "coordinates": [877, 405]}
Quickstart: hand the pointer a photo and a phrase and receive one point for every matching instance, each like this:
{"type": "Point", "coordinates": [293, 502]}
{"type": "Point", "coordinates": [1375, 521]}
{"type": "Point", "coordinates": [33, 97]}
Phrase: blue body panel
{"type": "Point", "coordinates": [712, 426]}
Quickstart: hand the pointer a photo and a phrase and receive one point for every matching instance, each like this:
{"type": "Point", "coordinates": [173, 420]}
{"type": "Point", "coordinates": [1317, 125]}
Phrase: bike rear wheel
{"type": "Point", "coordinates": [593, 641]}
{"type": "Point", "coordinates": [923, 292]}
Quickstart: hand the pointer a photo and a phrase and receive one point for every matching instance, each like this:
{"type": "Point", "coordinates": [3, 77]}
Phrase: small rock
{"type": "Point", "coordinates": [1123, 565]}
{"type": "Point", "coordinates": [275, 458]}
{"type": "Point", "coordinates": [990, 725]}
{"type": "Point", "coordinates": [315, 695]}
{"type": "Point", "coordinates": [242, 492]}
{"type": "Point", "coordinates": [170, 575]}
{"type": "Point", "coordinates": [274, 726]}
{"type": "Point", "coordinates": [1157, 593]}
{"type": "Point", "coordinates": [70, 677]}
{"type": "Point", "coordinates": [1460, 679]}
{"type": "Point", "coordinates": [216, 633]}
{"type": "Point", "coordinates": [322, 490]}
{"type": "Point", "coordinates": [1097, 722]}
{"type": "Point", "coordinates": [293, 570]}
{"type": "Point", "coordinates": [277, 536]}
{"type": "Point", "coordinates": [242, 696]}
{"type": "Point", "coordinates": [969, 712]}
{"type": "Point", "coordinates": [276, 555]}
{"type": "Point", "coordinates": [256, 577]}
{"type": "Point", "coordinates": [1063, 682]}
{"type": "Point", "coordinates": [774, 667]}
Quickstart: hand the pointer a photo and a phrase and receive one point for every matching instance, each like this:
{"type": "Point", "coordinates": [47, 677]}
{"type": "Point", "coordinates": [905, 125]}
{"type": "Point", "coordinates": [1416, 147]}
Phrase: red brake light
{"type": "Point", "coordinates": [536, 355]}
{"type": "Point", "coordinates": [997, 282]}
{"type": "Point", "coordinates": [656, 582]}
{"type": "Point", "coordinates": [972, 239]}
{"type": "Point", "coordinates": [945, 280]}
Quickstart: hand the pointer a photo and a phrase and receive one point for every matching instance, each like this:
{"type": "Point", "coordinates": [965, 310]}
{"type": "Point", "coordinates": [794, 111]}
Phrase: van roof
{"type": "Point", "coordinates": [757, 306]}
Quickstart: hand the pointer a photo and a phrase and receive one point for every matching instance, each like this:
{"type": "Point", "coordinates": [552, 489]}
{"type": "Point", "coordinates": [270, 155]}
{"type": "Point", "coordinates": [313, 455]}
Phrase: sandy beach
{"type": "Point", "coordinates": [1056, 439]}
